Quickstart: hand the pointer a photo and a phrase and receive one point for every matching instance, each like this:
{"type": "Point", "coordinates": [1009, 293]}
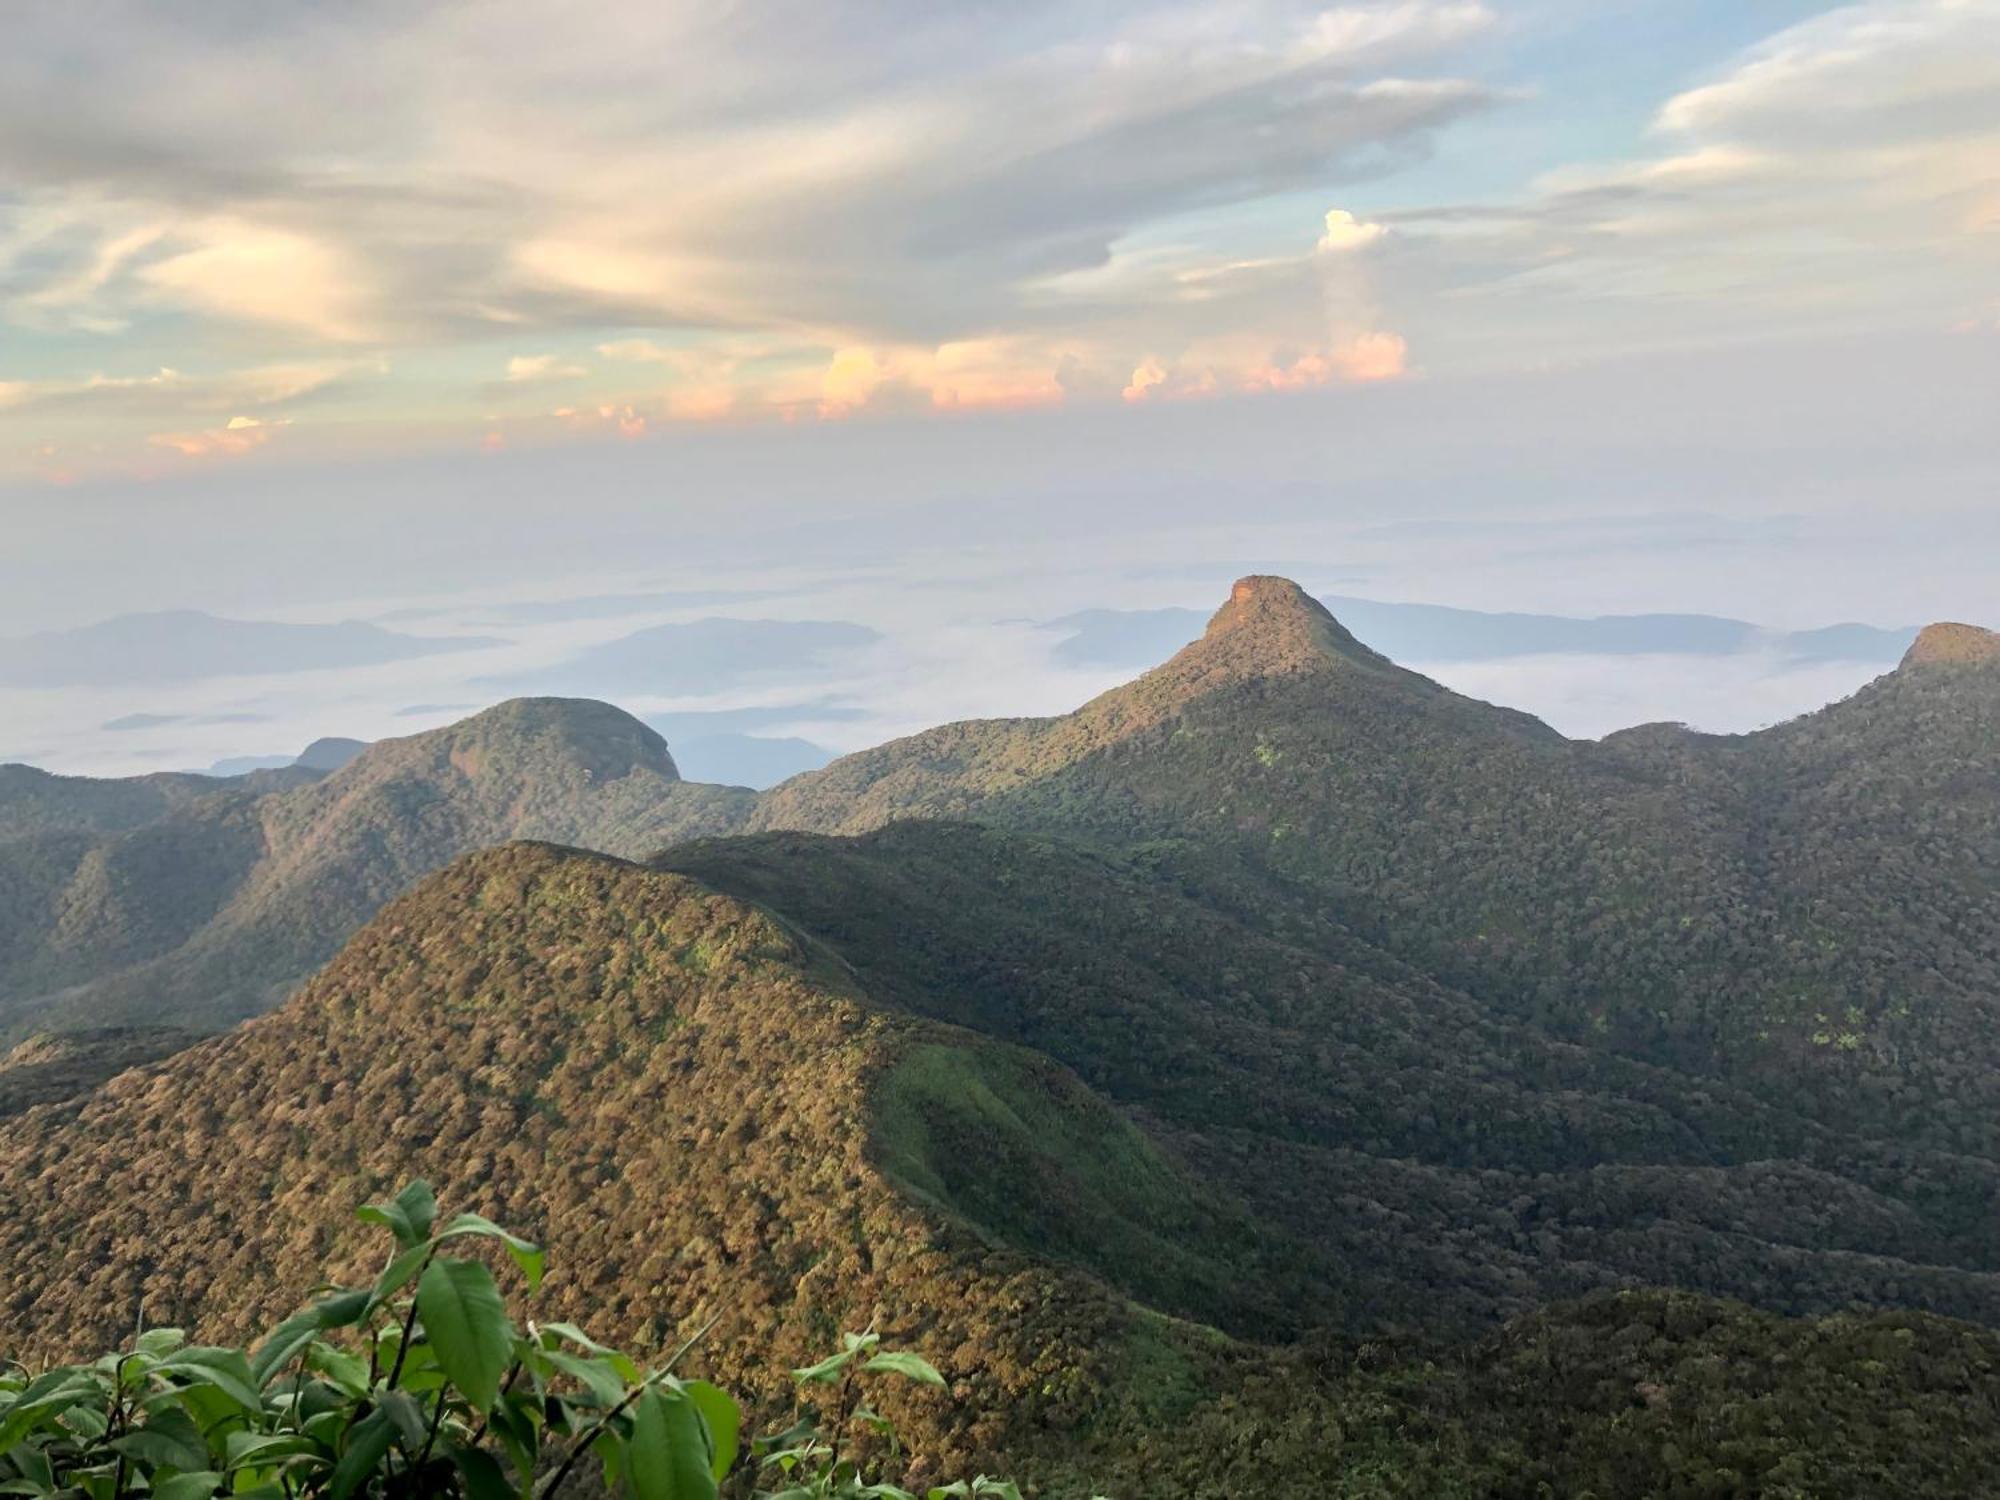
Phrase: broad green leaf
{"type": "Point", "coordinates": [158, 1450]}
{"type": "Point", "coordinates": [391, 1217]}
{"type": "Point", "coordinates": [827, 1370]}
{"type": "Point", "coordinates": [34, 1465]}
{"type": "Point", "coordinates": [666, 1457]}
{"type": "Point", "coordinates": [347, 1371]}
{"type": "Point", "coordinates": [466, 1324]}
{"type": "Point", "coordinates": [910, 1366]}
{"type": "Point", "coordinates": [170, 1441]}
{"type": "Point", "coordinates": [260, 1450]}
{"type": "Point", "coordinates": [396, 1275]}
{"type": "Point", "coordinates": [158, 1341]}
{"type": "Point", "coordinates": [529, 1257]}
{"type": "Point", "coordinates": [484, 1479]}
{"type": "Point", "coordinates": [598, 1377]}
{"type": "Point", "coordinates": [627, 1370]}
{"type": "Point", "coordinates": [420, 1207]}
{"type": "Point", "coordinates": [285, 1343]}
{"type": "Point", "coordinates": [724, 1420]}
{"type": "Point", "coordinates": [197, 1484]}
{"type": "Point", "coordinates": [406, 1417]}
{"type": "Point", "coordinates": [367, 1445]}
{"type": "Point", "coordinates": [225, 1369]}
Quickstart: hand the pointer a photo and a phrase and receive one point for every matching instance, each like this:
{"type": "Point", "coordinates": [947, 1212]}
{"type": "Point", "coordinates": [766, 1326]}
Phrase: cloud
{"type": "Point", "coordinates": [1831, 178]}
{"type": "Point", "coordinates": [1344, 232]}
{"type": "Point", "coordinates": [539, 369]}
{"type": "Point", "coordinates": [236, 437]}
{"type": "Point", "coordinates": [898, 175]}
{"type": "Point", "coordinates": [263, 274]}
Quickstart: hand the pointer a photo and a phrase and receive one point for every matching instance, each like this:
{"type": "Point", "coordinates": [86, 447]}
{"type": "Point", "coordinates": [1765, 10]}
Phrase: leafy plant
{"type": "Point", "coordinates": [421, 1385]}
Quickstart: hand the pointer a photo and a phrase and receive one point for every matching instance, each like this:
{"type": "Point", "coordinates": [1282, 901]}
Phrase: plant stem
{"type": "Point", "coordinates": [409, 1325]}
{"type": "Point", "coordinates": [596, 1430]}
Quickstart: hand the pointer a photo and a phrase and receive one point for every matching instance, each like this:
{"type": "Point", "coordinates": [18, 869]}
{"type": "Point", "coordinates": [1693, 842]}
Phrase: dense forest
{"type": "Point", "coordinates": [1280, 1076]}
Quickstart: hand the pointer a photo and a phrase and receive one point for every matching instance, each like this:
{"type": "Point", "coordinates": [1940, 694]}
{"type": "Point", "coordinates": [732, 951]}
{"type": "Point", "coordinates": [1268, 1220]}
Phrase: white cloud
{"type": "Point", "coordinates": [263, 274]}
{"type": "Point", "coordinates": [537, 369]}
{"type": "Point", "coordinates": [1344, 232]}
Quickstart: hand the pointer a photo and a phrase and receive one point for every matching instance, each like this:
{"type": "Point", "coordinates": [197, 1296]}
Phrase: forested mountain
{"type": "Point", "coordinates": [718, 1114]}
{"type": "Point", "coordinates": [158, 902]}
{"type": "Point", "coordinates": [1815, 908]}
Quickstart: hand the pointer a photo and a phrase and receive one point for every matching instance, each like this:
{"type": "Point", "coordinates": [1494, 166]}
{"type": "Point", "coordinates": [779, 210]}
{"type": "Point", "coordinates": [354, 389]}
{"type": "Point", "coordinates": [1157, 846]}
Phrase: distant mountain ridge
{"type": "Point", "coordinates": [1437, 633]}
{"type": "Point", "coordinates": [188, 645]}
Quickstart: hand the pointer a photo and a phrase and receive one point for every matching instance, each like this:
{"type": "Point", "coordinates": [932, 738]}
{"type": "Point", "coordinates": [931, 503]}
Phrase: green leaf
{"type": "Point", "coordinates": [35, 1466]}
{"type": "Point", "coordinates": [909, 1366]}
{"type": "Point", "coordinates": [159, 1341]}
{"type": "Point", "coordinates": [406, 1417]}
{"type": "Point", "coordinates": [667, 1456]}
{"type": "Point", "coordinates": [392, 1218]}
{"type": "Point", "coordinates": [197, 1484]}
{"type": "Point", "coordinates": [827, 1370]}
{"type": "Point", "coordinates": [347, 1371]}
{"type": "Point", "coordinates": [170, 1440]}
{"type": "Point", "coordinates": [466, 1325]}
{"type": "Point", "coordinates": [529, 1257]}
{"type": "Point", "coordinates": [484, 1478]}
{"type": "Point", "coordinates": [396, 1275]}
{"type": "Point", "coordinates": [259, 1450]}
{"type": "Point", "coordinates": [724, 1420]}
{"type": "Point", "coordinates": [368, 1443]}
{"type": "Point", "coordinates": [420, 1207]}
{"type": "Point", "coordinates": [598, 1377]}
{"type": "Point", "coordinates": [285, 1343]}
{"type": "Point", "coordinates": [627, 1370]}
{"type": "Point", "coordinates": [225, 1369]}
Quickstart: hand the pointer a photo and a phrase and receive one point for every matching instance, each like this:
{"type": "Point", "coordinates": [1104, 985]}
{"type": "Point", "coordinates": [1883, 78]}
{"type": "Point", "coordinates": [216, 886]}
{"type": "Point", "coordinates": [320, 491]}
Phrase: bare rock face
{"type": "Point", "coordinates": [1953, 645]}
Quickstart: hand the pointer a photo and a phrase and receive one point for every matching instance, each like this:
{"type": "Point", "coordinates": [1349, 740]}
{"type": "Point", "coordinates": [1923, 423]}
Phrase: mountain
{"type": "Point", "coordinates": [155, 904]}
{"type": "Point", "coordinates": [322, 755]}
{"type": "Point", "coordinates": [1814, 908]}
{"type": "Point", "coordinates": [187, 645]}
{"type": "Point", "coordinates": [329, 753]}
{"type": "Point", "coordinates": [708, 1112]}
{"type": "Point", "coordinates": [35, 801]}
{"type": "Point", "coordinates": [1435, 633]}
{"type": "Point", "coordinates": [699, 656]}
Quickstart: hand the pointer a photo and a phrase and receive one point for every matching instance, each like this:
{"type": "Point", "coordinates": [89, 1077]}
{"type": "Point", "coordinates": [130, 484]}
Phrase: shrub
{"type": "Point", "coordinates": [421, 1386]}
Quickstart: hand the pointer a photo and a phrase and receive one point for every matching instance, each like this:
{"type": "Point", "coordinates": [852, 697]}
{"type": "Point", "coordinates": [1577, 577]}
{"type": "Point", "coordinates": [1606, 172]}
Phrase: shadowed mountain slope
{"type": "Point", "coordinates": [706, 1112]}
{"type": "Point", "coordinates": [214, 910]}
{"type": "Point", "coordinates": [1410, 1158]}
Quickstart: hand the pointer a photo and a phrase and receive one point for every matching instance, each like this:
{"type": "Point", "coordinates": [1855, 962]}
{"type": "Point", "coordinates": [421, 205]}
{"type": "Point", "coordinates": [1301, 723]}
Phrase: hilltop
{"type": "Point", "coordinates": [167, 902]}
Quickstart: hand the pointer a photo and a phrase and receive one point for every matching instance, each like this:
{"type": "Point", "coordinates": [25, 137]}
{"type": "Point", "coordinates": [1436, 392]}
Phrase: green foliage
{"type": "Point", "coordinates": [436, 1394]}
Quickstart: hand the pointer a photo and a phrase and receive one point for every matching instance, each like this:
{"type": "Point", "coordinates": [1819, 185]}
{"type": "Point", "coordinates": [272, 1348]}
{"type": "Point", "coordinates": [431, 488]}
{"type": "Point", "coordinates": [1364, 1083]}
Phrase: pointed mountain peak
{"type": "Point", "coordinates": [1277, 626]}
{"type": "Point", "coordinates": [1953, 645]}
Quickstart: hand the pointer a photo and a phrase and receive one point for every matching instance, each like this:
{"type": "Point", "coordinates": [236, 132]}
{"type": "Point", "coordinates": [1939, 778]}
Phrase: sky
{"type": "Point", "coordinates": [942, 316]}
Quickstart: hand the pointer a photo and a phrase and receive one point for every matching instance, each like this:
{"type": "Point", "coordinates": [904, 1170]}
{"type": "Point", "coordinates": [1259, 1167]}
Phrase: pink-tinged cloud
{"type": "Point", "coordinates": [1373, 356]}
{"type": "Point", "coordinates": [239, 436]}
{"type": "Point", "coordinates": [1147, 377]}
